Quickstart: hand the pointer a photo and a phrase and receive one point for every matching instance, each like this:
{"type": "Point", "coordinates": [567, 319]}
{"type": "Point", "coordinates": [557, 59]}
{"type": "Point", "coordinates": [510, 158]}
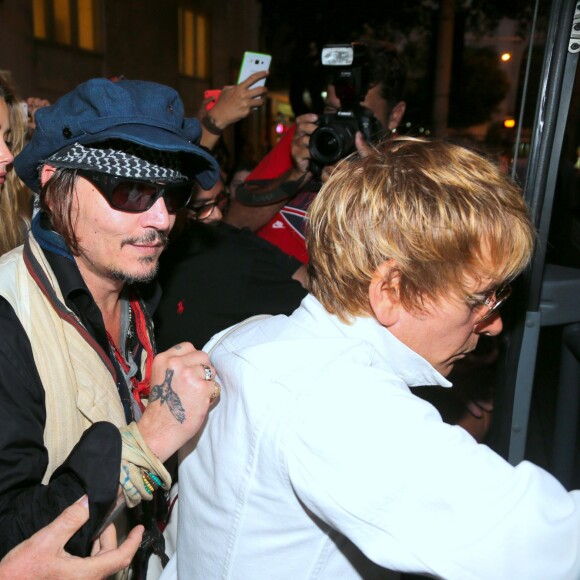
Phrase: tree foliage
{"type": "Point", "coordinates": [412, 25]}
{"type": "Point", "coordinates": [478, 88]}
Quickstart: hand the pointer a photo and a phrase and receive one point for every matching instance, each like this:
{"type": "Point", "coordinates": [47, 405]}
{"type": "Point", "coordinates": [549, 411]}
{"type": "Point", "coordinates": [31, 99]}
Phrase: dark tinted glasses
{"type": "Point", "coordinates": [202, 210]}
{"type": "Point", "coordinates": [135, 195]}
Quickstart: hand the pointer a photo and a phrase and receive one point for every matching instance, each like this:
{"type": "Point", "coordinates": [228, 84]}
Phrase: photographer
{"type": "Point", "coordinates": [275, 196]}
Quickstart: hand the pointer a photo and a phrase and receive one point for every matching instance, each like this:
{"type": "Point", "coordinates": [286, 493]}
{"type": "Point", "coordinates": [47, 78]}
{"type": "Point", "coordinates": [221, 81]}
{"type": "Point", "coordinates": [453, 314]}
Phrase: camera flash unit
{"type": "Point", "coordinates": [337, 55]}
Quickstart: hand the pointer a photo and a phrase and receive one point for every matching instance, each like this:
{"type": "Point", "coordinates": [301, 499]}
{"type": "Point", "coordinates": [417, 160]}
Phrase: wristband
{"type": "Point", "coordinates": [210, 125]}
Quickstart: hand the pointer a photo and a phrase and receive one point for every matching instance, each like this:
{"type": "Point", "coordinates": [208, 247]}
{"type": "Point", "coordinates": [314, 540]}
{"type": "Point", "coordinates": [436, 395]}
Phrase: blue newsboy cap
{"type": "Point", "coordinates": [142, 112]}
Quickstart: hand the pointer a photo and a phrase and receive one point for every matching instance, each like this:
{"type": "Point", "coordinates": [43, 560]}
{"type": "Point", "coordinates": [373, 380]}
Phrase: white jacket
{"type": "Point", "coordinates": [319, 461]}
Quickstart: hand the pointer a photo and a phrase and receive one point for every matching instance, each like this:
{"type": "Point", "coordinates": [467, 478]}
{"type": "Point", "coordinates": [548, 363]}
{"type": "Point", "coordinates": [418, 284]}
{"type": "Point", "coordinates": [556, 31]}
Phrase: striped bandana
{"type": "Point", "coordinates": [122, 159]}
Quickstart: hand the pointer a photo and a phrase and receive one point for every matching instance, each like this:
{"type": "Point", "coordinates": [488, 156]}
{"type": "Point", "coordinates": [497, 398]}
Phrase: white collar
{"type": "Point", "coordinates": [390, 352]}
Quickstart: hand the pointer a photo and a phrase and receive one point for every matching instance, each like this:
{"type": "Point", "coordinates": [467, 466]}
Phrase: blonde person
{"type": "Point", "coordinates": [15, 197]}
{"type": "Point", "coordinates": [319, 460]}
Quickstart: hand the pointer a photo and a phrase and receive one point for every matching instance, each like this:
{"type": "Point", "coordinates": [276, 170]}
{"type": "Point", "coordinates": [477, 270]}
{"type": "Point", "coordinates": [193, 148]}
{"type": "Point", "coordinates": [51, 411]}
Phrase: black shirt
{"type": "Point", "coordinates": [215, 276]}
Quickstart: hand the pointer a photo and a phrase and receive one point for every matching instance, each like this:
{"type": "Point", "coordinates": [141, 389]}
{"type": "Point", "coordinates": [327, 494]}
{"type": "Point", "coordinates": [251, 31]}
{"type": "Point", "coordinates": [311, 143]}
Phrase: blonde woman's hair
{"type": "Point", "coordinates": [15, 197]}
{"type": "Point", "coordinates": [444, 214]}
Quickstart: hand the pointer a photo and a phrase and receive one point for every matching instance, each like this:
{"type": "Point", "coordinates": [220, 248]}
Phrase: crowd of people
{"type": "Point", "coordinates": [130, 356]}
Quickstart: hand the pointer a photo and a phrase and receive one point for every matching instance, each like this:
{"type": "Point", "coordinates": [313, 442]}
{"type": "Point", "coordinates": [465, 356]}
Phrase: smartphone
{"type": "Point", "coordinates": [251, 63]}
{"type": "Point", "coordinates": [213, 94]}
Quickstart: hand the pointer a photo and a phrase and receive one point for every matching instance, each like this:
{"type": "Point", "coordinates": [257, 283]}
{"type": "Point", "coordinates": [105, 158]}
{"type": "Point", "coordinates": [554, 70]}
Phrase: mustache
{"type": "Point", "coordinates": [151, 237]}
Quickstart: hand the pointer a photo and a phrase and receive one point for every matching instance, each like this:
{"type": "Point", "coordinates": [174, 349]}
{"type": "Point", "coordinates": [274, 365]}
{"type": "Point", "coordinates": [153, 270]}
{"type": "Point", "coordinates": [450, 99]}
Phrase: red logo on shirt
{"type": "Point", "coordinates": [180, 307]}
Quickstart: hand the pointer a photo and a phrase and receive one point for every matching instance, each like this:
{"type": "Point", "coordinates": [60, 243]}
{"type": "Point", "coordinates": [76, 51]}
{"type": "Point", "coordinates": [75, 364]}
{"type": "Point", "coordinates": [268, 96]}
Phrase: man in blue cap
{"type": "Point", "coordinates": [86, 408]}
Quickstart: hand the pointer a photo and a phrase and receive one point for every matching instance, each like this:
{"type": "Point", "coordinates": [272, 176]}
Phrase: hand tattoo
{"type": "Point", "coordinates": [166, 394]}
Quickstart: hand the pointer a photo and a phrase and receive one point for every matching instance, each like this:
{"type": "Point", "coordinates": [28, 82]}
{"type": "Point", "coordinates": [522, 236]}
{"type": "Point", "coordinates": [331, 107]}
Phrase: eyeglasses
{"type": "Point", "coordinates": [491, 300]}
{"type": "Point", "coordinates": [204, 210]}
{"type": "Point", "coordinates": [136, 195]}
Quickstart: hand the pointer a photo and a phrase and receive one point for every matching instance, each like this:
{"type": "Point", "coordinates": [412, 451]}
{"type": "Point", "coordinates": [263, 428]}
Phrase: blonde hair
{"type": "Point", "coordinates": [15, 197]}
{"type": "Point", "coordinates": [442, 213]}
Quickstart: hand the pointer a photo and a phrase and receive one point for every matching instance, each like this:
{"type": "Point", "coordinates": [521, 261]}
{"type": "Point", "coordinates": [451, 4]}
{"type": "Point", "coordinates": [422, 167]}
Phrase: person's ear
{"type": "Point", "coordinates": [396, 115]}
{"type": "Point", "coordinates": [384, 293]}
{"type": "Point", "coordinates": [46, 173]}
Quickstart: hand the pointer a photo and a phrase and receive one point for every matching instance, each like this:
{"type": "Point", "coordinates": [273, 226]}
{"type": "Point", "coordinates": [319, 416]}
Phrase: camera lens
{"type": "Point", "coordinates": [330, 144]}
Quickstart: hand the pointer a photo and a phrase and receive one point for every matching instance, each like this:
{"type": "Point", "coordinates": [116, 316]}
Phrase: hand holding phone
{"type": "Point", "coordinates": [237, 101]}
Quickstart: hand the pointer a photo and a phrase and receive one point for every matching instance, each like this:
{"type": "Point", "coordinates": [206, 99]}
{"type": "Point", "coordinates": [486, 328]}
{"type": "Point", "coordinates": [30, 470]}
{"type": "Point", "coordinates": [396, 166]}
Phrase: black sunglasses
{"type": "Point", "coordinates": [136, 195]}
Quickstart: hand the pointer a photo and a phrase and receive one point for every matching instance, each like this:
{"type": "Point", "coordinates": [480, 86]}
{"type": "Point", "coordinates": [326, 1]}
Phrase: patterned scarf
{"type": "Point", "coordinates": [122, 159]}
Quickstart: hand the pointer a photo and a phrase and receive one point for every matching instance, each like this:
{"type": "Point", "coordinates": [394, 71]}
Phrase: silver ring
{"type": "Point", "coordinates": [208, 374]}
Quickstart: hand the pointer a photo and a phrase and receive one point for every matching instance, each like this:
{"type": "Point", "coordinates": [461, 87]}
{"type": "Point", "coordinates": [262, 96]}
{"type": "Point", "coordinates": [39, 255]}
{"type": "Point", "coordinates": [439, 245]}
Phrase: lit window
{"type": "Point", "coordinates": [39, 19]}
{"type": "Point", "coordinates": [86, 24]}
{"type": "Point", "coordinates": [62, 28]}
{"type": "Point", "coordinates": [69, 22]}
{"type": "Point", "coordinates": [193, 43]}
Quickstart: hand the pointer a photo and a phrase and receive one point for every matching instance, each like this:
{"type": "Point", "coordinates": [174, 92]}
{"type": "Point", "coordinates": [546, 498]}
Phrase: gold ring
{"type": "Point", "coordinates": [216, 391]}
{"type": "Point", "coordinates": [208, 374]}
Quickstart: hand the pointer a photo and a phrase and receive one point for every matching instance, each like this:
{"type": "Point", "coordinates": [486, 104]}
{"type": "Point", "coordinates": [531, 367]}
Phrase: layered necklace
{"type": "Point", "coordinates": [137, 325]}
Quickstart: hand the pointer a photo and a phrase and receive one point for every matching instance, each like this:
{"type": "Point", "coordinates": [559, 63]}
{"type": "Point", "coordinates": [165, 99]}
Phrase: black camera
{"type": "Point", "coordinates": [334, 138]}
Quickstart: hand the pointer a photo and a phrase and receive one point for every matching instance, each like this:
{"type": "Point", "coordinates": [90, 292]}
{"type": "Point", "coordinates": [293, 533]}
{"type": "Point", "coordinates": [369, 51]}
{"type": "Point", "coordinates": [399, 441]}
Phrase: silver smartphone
{"type": "Point", "coordinates": [253, 62]}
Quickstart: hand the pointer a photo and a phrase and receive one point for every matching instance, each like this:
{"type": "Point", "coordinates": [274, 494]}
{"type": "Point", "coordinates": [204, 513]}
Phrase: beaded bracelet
{"type": "Point", "coordinates": [150, 481]}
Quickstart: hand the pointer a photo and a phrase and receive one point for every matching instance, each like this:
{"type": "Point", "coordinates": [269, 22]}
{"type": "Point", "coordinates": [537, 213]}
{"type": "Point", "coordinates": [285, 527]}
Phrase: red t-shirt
{"type": "Point", "coordinates": [286, 228]}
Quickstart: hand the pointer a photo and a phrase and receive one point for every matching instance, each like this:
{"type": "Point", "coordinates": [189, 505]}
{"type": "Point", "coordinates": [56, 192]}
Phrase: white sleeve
{"type": "Point", "coordinates": [377, 464]}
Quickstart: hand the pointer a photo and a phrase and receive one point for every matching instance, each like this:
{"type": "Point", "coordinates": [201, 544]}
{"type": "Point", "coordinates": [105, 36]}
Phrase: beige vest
{"type": "Point", "coordinates": [76, 374]}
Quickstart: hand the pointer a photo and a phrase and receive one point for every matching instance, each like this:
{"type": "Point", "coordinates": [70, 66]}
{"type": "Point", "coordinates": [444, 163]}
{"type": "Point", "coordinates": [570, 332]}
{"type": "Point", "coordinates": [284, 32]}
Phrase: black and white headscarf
{"type": "Point", "coordinates": [122, 159]}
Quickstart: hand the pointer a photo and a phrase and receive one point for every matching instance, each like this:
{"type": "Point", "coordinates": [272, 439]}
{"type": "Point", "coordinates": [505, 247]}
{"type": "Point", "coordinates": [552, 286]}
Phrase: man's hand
{"type": "Point", "coordinates": [236, 102]}
{"type": "Point", "coordinates": [305, 126]}
{"type": "Point", "coordinates": [43, 557]}
{"type": "Point", "coordinates": [179, 399]}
